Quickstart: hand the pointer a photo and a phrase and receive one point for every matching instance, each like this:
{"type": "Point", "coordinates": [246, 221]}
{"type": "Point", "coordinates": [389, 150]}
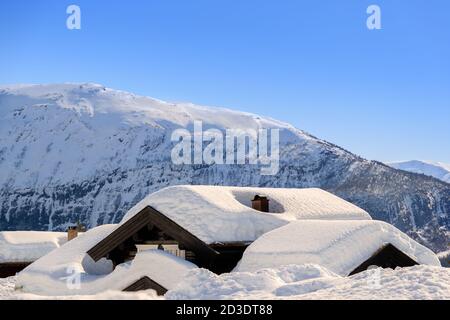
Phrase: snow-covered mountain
{"type": "Point", "coordinates": [438, 170]}
{"type": "Point", "coordinates": [82, 152]}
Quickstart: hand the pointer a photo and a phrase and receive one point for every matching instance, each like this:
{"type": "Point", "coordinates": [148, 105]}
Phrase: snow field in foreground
{"type": "Point", "coordinates": [287, 282]}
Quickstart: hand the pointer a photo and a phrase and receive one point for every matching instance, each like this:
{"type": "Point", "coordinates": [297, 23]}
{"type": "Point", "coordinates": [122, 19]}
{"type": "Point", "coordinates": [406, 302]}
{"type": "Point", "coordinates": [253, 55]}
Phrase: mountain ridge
{"type": "Point", "coordinates": [438, 170]}
{"type": "Point", "coordinates": [85, 152]}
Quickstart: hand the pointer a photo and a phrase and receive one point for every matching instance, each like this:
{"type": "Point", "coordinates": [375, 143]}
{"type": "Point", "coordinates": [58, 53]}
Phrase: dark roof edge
{"type": "Point", "coordinates": [140, 220]}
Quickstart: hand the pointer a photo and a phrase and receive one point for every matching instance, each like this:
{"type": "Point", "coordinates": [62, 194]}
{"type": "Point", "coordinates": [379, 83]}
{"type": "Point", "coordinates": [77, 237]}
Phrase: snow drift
{"type": "Point", "coordinates": [286, 282]}
{"type": "Point", "coordinates": [285, 236]}
{"type": "Point", "coordinates": [69, 271]}
{"type": "Point", "coordinates": [307, 282]}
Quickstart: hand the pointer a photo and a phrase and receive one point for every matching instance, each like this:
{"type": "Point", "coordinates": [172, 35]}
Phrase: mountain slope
{"type": "Point", "coordinates": [437, 170]}
{"type": "Point", "coordinates": [72, 152]}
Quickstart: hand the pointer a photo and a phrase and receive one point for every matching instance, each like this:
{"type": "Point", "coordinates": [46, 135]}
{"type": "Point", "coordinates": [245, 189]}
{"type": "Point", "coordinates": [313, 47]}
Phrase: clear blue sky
{"type": "Point", "coordinates": [382, 94]}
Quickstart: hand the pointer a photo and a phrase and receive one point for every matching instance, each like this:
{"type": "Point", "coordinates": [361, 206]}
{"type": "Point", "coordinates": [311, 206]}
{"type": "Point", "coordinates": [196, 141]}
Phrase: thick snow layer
{"type": "Point", "coordinates": [221, 214]}
{"type": "Point", "coordinates": [286, 282]}
{"type": "Point", "coordinates": [106, 295]}
{"type": "Point", "coordinates": [438, 170]}
{"type": "Point", "coordinates": [94, 118]}
{"type": "Point", "coordinates": [28, 246]}
{"type": "Point", "coordinates": [7, 288]}
{"type": "Point", "coordinates": [96, 100]}
{"type": "Point", "coordinates": [202, 284]}
{"type": "Point", "coordinates": [340, 246]}
{"type": "Point", "coordinates": [8, 292]}
{"type": "Point", "coordinates": [415, 283]}
{"type": "Point", "coordinates": [63, 271]}
{"type": "Point", "coordinates": [314, 282]}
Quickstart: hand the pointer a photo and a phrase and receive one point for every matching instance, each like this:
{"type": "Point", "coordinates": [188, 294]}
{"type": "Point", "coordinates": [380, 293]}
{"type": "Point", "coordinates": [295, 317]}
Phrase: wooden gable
{"type": "Point", "coordinates": [146, 283]}
{"type": "Point", "coordinates": [387, 257]}
{"type": "Point", "coordinates": [151, 218]}
{"type": "Point", "coordinates": [10, 269]}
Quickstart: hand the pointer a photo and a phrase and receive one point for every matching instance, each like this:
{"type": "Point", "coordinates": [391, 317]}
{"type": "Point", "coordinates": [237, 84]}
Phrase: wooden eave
{"type": "Point", "coordinates": [386, 257]}
{"type": "Point", "coordinates": [149, 215]}
{"type": "Point", "coordinates": [145, 283]}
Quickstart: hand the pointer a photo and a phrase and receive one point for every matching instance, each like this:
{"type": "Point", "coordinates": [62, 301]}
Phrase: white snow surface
{"type": "Point", "coordinates": [8, 292]}
{"type": "Point", "coordinates": [339, 246]}
{"type": "Point", "coordinates": [94, 118]}
{"type": "Point", "coordinates": [434, 169]}
{"type": "Point", "coordinates": [224, 214]}
{"type": "Point", "coordinates": [28, 246]}
{"type": "Point", "coordinates": [294, 282]}
{"type": "Point", "coordinates": [53, 274]}
{"type": "Point", "coordinates": [315, 282]}
{"type": "Point", "coordinates": [293, 254]}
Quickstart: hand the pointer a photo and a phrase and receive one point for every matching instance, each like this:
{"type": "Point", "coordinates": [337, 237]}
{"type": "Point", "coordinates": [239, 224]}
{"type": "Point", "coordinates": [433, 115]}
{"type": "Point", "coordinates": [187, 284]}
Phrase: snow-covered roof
{"type": "Point", "coordinates": [287, 236]}
{"type": "Point", "coordinates": [339, 246]}
{"type": "Point", "coordinates": [28, 246]}
{"type": "Point", "coordinates": [57, 272]}
{"type": "Point", "coordinates": [225, 214]}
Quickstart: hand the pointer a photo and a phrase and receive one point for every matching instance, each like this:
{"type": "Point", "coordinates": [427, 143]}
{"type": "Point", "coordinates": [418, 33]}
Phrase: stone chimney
{"type": "Point", "coordinates": [260, 203]}
{"type": "Point", "coordinates": [72, 233]}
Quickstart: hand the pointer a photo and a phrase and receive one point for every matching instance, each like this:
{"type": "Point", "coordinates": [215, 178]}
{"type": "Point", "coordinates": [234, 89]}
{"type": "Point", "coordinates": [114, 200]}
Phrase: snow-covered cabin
{"type": "Point", "coordinates": [343, 247]}
{"type": "Point", "coordinates": [224, 229]}
{"type": "Point", "coordinates": [18, 249]}
{"type": "Point", "coordinates": [212, 226]}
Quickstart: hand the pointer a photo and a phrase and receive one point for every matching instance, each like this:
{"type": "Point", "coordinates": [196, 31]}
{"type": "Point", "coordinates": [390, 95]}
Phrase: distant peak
{"type": "Point", "coordinates": [434, 169]}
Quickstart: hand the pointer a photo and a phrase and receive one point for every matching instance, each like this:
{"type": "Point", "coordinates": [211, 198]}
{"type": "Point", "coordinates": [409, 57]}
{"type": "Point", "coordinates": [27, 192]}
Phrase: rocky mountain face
{"type": "Point", "coordinates": [86, 153]}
